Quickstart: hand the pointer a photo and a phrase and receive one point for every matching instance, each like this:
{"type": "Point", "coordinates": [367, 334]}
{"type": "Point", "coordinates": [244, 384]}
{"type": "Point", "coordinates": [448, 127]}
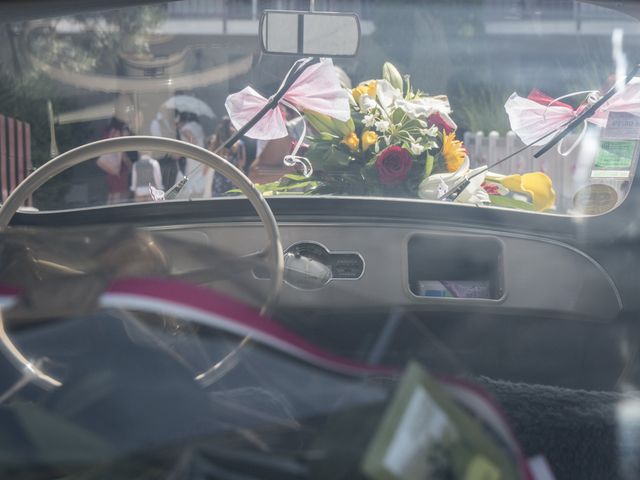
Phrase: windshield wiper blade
{"type": "Point", "coordinates": [587, 113]}
{"type": "Point", "coordinates": [292, 75]}
{"type": "Point", "coordinates": [452, 194]}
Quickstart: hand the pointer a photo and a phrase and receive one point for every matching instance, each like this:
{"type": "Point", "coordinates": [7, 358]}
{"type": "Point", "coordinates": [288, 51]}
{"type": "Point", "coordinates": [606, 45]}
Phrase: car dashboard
{"type": "Point", "coordinates": [364, 280]}
{"type": "Point", "coordinates": [373, 265]}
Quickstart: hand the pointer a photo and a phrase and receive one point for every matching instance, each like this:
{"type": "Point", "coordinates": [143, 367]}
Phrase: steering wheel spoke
{"type": "Point", "coordinates": [221, 270]}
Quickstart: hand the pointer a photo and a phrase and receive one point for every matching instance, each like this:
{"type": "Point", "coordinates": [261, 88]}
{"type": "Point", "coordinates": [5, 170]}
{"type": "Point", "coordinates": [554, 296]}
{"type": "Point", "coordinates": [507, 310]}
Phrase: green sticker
{"type": "Point", "coordinates": [615, 155]}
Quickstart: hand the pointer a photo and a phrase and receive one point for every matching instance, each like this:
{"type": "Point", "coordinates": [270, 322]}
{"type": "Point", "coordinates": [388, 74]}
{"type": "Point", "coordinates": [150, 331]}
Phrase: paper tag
{"type": "Point", "coordinates": [622, 125]}
{"type": "Point", "coordinates": [423, 424]}
{"type": "Point", "coordinates": [614, 159]}
{"type": "Point", "coordinates": [610, 174]}
{"type": "Point", "coordinates": [424, 433]}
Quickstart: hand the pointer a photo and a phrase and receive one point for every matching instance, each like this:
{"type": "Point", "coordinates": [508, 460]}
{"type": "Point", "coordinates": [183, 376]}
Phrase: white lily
{"type": "Point", "coordinates": [432, 131]}
{"type": "Point", "coordinates": [434, 186]}
{"type": "Point", "coordinates": [366, 103]}
{"type": "Point", "coordinates": [423, 107]}
{"type": "Point", "coordinates": [382, 126]}
{"type": "Point", "coordinates": [369, 120]}
{"type": "Point", "coordinates": [387, 94]}
{"type": "Point", "coordinates": [416, 148]}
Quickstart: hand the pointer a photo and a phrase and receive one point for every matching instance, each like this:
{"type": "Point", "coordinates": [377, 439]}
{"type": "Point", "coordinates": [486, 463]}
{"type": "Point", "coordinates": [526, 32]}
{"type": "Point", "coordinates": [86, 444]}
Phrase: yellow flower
{"type": "Point", "coordinates": [453, 152]}
{"type": "Point", "coordinates": [372, 88]}
{"type": "Point", "coordinates": [536, 184]}
{"type": "Point", "coordinates": [368, 138]}
{"type": "Point", "coordinates": [352, 141]}
{"type": "Point", "coordinates": [368, 88]}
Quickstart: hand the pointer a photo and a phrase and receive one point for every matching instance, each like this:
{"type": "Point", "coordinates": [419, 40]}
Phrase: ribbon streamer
{"type": "Point", "coordinates": [293, 158]}
{"type": "Point", "coordinates": [539, 114]}
{"type": "Point", "coordinates": [317, 89]}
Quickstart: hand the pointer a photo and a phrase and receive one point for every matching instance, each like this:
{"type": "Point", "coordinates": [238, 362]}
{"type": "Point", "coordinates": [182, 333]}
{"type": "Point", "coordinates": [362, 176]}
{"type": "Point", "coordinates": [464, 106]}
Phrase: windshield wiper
{"type": "Point", "coordinates": [561, 132]}
{"type": "Point", "coordinates": [587, 113]}
{"type": "Point", "coordinates": [292, 75]}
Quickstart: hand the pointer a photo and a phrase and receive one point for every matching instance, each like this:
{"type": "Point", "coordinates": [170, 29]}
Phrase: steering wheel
{"type": "Point", "coordinates": [272, 253]}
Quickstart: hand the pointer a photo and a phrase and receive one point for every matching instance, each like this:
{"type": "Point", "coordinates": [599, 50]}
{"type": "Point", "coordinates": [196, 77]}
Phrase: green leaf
{"type": "Point", "coordinates": [370, 173]}
{"type": "Point", "coordinates": [508, 202]}
{"type": "Point", "coordinates": [344, 128]}
{"type": "Point", "coordinates": [414, 124]}
{"type": "Point", "coordinates": [391, 74]}
{"type": "Point", "coordinates": [280, 187]}
{"type": "Point", "coordinates": [328, 137]}
{"type": "Point", "coordinates": [397, 116]}
{"type": "Point", "coordinates": [428, 167]}
{"type": "Point", "coordinates": [297, 178]}
{"type": "Point", "coordinates": [320, 122]}
{"type": "Point", "coordinates": [336, 158]}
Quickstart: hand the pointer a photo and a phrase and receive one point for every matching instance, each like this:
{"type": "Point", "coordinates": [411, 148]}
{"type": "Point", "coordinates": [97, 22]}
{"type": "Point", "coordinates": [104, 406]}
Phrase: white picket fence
{"type": "Point", "coordinates": [567, 179]}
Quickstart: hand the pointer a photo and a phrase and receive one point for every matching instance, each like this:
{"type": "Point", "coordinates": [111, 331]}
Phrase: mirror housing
{"type": "Point", "coordinates": [317, 34]}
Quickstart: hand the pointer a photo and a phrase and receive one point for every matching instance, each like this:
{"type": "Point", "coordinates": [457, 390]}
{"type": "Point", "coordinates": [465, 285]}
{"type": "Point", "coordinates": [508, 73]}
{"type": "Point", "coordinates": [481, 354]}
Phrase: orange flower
{"type": "Point", "coordinates": [368, 88]}
{"type": "Point", "coordinates": [368, 138]}
{"type": "Point", "coordinates": [453, 152]}
{"type": "Point", "coordinates": [352, 141]}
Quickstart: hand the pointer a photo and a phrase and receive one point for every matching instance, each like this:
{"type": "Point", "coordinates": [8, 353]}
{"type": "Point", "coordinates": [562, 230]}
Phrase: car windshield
{"type": "Point", "coordinates": [437, 105]}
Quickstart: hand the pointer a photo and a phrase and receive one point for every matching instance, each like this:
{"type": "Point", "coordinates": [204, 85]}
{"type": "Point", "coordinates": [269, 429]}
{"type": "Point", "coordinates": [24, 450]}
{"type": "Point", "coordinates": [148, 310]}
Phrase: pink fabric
{"type": "Point", "coordinates": [233, 316]}
{"type": "Point", "coordinates": [544, 99]}
{"type": "Point", "coordinates": [10, 290]}
{"type": "Point", "coordinates": [226, 314]}
{"type": "Point", "coordinates": [317, 89]}
{"type": "Point", "coordinates": [532, 117]}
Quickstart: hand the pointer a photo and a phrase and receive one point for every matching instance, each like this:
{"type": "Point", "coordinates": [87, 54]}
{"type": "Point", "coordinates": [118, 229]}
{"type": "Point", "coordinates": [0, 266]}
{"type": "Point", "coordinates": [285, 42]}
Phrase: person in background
{"type": "Point", "coordinates": [145, 173]}
{"type": "Point", "coordinates": [236, 154]}
{"type": "Point", "coordinates": [162, 127]}
{"type": "Point", "coordinates": [200, 179]}
{"type": "Point", "coordinates": [117, 166]}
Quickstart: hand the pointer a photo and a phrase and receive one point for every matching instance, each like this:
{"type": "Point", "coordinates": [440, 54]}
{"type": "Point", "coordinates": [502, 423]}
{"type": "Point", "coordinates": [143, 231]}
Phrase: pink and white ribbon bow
{"type": "Point", "coordinates": [539, 114]}
{"type": "Point", "coordinates": [317, 89]}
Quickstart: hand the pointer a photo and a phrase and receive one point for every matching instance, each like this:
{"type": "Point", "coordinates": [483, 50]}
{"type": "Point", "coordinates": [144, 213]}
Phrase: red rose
{"type": "Point", "coordinates": [441, 122]}
{"type": "Point", "coordinates": [393, 165]}
{"type": "Point", "coordinates": [491, 188]}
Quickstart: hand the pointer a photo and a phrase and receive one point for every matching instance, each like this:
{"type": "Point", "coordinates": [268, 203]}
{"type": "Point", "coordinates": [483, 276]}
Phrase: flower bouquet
{"type": "Point", "coordinates": [397, 142]}
{"type": "Point", "coordinates": [396, 138]}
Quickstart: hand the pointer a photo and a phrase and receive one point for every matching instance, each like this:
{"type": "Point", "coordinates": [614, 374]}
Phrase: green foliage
{"type": "Point", "coordinates": [289, 184]}
{"type": "Point", "coordinates": [328, 156]}
{"type": "Point", "coordinates": [508, 202]}
{"type": "Point", "coordinates": [25, 99]}
{"type": "Point", "coordinates": [24, 92]}
{"type": "Point", "coordinates": [480, 107]}
{"type": "Point", "coordinates": [428, 165]}
{"type": "Point", "coordinates": [104, 35]}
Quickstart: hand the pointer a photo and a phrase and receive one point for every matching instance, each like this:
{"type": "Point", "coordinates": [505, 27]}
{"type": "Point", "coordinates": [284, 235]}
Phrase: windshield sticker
{"type": "Point", "coordinates": [595, 199]}
{"type": "Point", "coordinates": [622, 125]}
{"type": "Point", "coordinates": [614, 159]}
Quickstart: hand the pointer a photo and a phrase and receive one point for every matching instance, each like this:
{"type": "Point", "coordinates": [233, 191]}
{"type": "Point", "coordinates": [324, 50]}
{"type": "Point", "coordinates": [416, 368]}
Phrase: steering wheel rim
{"type": "Point", "coordinates": [273, 252]}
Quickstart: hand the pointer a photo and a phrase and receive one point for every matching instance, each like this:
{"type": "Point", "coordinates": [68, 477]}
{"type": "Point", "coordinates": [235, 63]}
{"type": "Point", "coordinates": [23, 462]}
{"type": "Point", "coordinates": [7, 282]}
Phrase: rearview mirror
{"type": "Point", "coordinates": [319, 34]}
